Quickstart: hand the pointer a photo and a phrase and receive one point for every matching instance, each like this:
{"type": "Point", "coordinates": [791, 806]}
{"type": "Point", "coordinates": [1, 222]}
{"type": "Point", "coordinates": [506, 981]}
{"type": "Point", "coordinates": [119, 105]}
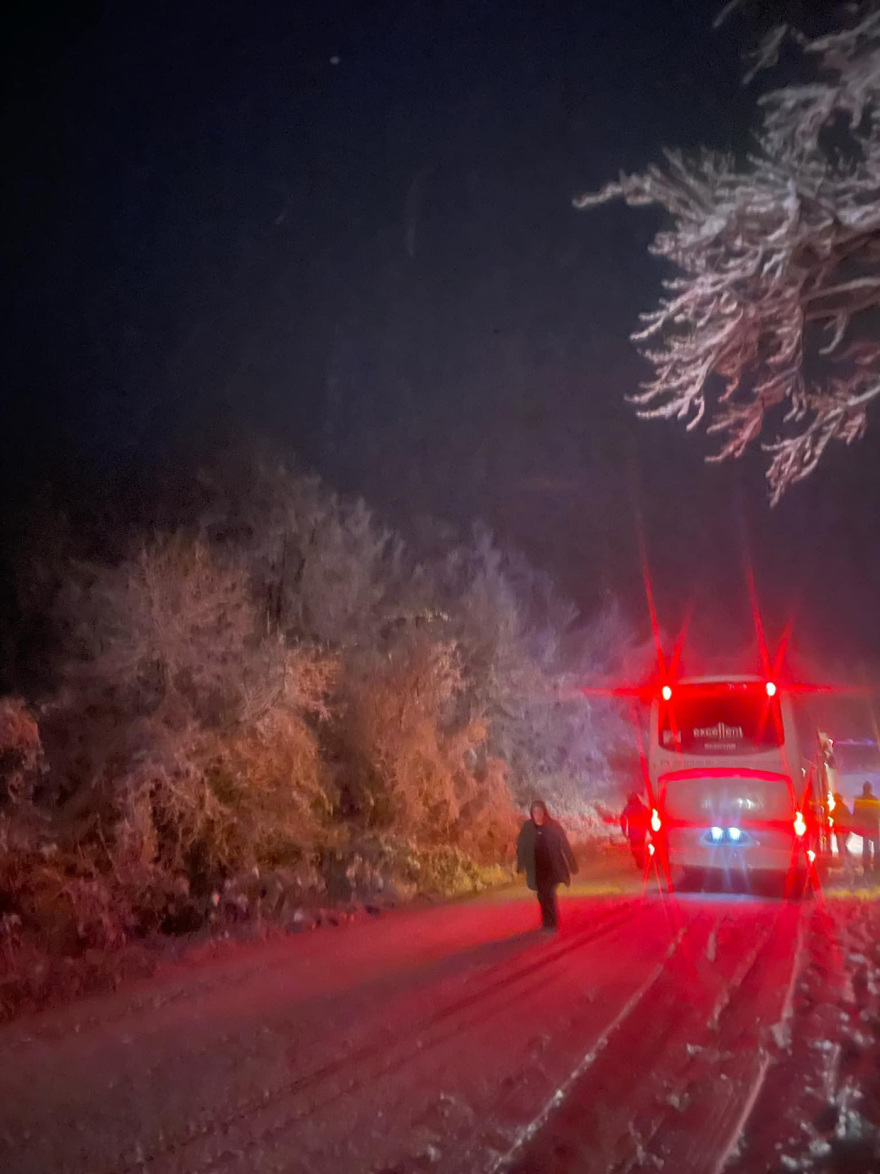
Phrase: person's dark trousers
{"type": "Point", "coordinates": [842, 838]}
{"type": "Point", "coordinates": [637, 847]}
{"type": "Point", "coordinates": [549, 909]}
{"type": "Point", "coordinates": [870, 858]}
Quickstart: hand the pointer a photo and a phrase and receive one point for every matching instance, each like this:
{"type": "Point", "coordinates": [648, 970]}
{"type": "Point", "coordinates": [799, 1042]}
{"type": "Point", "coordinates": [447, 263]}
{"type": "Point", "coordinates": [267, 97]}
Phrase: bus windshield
{"type": "Point", "coordinates": [726, 718]}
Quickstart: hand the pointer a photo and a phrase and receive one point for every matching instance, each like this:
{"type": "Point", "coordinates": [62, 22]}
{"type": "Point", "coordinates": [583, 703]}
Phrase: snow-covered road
{"type": "Point", "coordinates": [688, 1034]}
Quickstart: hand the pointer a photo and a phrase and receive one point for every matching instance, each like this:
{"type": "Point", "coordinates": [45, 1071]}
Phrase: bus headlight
{"type": "Point", "coordinates": [734, 833]}
{"type": "Point", "coordinates": [716, 833]}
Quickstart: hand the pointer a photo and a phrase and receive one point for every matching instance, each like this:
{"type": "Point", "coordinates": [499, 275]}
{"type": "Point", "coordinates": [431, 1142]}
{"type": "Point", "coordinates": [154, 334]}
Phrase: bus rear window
{"type": "Point", "coordinates": [720, 720]}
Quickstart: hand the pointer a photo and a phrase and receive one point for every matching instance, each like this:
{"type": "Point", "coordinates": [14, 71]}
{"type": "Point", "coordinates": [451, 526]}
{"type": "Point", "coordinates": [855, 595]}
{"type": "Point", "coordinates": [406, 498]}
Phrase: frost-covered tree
{"type": "Point", "coordinates": [185, 727]}
{"type": "Point", "coordinates": [761, 332]}
{"type": "Point", "coordinates": [525, 653]}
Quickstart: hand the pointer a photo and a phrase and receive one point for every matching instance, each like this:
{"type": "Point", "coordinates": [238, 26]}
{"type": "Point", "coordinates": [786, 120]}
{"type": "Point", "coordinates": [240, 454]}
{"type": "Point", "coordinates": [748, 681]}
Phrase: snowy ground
{"type": "Point", "coordinates": [689, 1034]}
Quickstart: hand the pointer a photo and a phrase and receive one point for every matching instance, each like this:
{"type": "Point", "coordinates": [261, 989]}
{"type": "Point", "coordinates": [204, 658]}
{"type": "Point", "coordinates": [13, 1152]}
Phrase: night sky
{"type": "Point", "coordinates": [349, 227]}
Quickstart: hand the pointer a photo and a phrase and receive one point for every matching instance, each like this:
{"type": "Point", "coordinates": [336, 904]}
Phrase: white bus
{"type": "Point", "coordinates": [728, 790]}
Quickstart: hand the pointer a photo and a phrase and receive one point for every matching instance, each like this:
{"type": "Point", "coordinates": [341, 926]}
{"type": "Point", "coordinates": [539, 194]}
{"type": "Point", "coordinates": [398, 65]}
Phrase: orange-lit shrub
{"type": "Point", "coordinates": [21, 752]}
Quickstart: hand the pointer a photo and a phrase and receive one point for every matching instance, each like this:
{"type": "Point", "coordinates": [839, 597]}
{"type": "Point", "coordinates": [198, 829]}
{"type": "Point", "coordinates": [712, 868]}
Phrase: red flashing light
{"type": "Point", "coordinates": [800, 826]}
{"type": "Point", "coordinates": [656, 823]}
{"type": "Point", "coordinates": [666, 693]}
{"type": "Point", "coordinates": [771, 689]}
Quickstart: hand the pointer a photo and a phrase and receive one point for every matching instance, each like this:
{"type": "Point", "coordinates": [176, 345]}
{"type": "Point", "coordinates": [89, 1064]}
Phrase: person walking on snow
{"type": "Point", "coordinates": [866, 817]}
{"type": "Point", "coordinates": [544, 854]}
{"type": "Point", "coordinates": [634, 825]}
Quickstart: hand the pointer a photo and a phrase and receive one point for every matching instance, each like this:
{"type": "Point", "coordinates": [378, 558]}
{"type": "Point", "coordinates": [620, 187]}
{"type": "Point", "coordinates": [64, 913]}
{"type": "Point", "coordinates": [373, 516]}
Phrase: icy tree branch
{"type": "Point", "coordinates": [774, 259]}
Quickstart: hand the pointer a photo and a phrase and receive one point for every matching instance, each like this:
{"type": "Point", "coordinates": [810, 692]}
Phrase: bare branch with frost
{"type": "Point", "coordinates": [774, 258]}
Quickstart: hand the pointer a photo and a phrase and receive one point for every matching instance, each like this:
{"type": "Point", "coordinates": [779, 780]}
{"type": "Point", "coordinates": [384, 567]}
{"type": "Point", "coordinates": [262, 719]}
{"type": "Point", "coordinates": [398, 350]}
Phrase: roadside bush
{"type": "Point", "coordinates": [415, 762]}
{"type": "Point", "coordinates": [62, 919]}
{"type": "Point", "coordinates": [184, 744]}
{"type": "Point", "coordinates": [21, 752]}
{"type": "Point", "coordinates": [281, 704]}
{"type": "Point", "coordinates": [446, 870]}
{"type": "Point", "coordinates": [385, 867]}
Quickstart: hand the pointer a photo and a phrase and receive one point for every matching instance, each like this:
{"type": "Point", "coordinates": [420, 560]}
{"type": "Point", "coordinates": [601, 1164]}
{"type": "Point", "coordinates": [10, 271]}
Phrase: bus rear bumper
{"type": "Point", "coordinates": [761, 850]}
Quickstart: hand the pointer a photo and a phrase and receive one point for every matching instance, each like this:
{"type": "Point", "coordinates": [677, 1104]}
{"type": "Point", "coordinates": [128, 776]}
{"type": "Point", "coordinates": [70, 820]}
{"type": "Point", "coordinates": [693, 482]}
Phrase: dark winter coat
{"type": "Point", "coordinates": [842, 816]}
{"type": "Point", "coordinates": [561, 858]}
{"type": "Point", "coordinates": [634, 822]}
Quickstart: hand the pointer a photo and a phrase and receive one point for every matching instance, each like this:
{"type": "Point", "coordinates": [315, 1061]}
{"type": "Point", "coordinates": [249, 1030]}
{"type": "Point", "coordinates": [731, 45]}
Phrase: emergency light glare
{"type": "Point", "coordinates": [656, 822]}
{"type": "Point", "coordinates": [799, 826]}
{"type": "Point", "coordinates": [734, 833]}
{"type": "Point", "coordinates": [666, 693]}
{"type": "Point", "coordinates": [716, 833]}
{"type": "Point", "coordinates": [771, 689]}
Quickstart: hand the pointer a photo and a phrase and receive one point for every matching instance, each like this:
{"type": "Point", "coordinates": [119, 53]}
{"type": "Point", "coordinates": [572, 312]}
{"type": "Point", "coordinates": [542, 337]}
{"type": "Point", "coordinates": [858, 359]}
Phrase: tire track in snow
{"type": "Point", "coordinates": [751, 1099]}
{"type": "Point", "coordinates": [719, 1086]}
{"type": "Point", "coordinates": [647, 1139]}
{"type": "Point", "coordinates": [820, 1106]}
{"type": "Point", "coordinates": [504, 1161]}
{"type": "Point", "coordinates": [631, 1091]}
{"type": "Point", "coordinates": [406, 1051]}
{"type": "Point", "coordinates": [228, 973]}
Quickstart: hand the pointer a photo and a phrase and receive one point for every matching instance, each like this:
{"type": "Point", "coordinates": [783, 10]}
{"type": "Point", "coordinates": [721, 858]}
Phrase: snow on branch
{"type": "Point", "coordinates": [774, 258]}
